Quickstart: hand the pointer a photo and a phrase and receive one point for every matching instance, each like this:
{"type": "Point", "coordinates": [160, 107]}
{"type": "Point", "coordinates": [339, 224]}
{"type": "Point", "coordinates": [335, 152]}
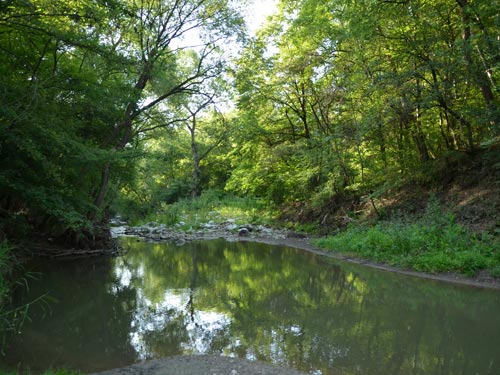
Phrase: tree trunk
{"type": "Point", "coordinates": [195, 183]}
{"type": "Point", "coordinates": [195, 187]}
{"type": "Point", "coordinates": [458, 116]}
{"type": "Point", "coordinates": [102, 191]}
{"type": "Point", "coordinates": [382, 145]}
{"type": "Point", "coordinates": [479, 76]}
{"type": "Point", "coordinates": [121, 140]}
{"type": "Point", "coordinates": [419, 135]}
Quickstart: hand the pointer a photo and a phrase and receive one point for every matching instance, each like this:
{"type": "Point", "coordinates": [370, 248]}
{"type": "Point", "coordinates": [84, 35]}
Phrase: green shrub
{"type": "Point", "coordinates": [433, 243]}
{"type": "Point", "coordinates": [214, 206]}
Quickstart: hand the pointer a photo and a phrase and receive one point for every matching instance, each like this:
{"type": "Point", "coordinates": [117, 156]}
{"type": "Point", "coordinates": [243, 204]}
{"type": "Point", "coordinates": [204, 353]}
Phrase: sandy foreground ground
{"type": "Point", "coordinates": [201, 365]}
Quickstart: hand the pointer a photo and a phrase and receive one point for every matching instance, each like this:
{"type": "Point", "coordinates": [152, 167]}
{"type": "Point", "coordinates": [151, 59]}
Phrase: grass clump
{"type": "Point", "coordinates": [434, 243]}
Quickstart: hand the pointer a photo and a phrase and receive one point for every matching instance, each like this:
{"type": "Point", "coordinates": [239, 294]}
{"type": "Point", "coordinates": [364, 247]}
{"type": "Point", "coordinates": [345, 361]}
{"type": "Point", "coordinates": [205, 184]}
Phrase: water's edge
{"type": "Point", "coordinates": [305, 244]}
{"type": "Point", "coordinates": [282, 237]}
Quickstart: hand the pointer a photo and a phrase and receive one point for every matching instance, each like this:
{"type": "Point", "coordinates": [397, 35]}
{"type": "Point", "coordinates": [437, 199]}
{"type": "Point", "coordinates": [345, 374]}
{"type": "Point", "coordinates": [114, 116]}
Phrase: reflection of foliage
{"type": "Point", "coordinates": [83, 321]}
{"type": "Point", "coordinates": [300, 310]}
{"type": "Point", "coordinates": [274, 304]}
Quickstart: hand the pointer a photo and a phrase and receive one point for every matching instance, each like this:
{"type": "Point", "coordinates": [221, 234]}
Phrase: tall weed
{"type": "Point", "coordinates": [5, 261]}
{"type": "Point", "coordinates": [13, 318]}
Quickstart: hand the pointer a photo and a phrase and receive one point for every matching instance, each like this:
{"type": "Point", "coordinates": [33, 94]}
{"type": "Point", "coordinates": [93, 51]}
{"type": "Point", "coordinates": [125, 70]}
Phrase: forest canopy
{"type": "Point", "coordinates": [82, 82]}
{"type": "Point", "coordinates": [116, 101]}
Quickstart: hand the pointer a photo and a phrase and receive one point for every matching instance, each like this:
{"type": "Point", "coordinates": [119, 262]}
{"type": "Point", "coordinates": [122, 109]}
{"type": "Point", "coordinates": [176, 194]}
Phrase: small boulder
{"type": "Point", "coordinates": [230, 227]}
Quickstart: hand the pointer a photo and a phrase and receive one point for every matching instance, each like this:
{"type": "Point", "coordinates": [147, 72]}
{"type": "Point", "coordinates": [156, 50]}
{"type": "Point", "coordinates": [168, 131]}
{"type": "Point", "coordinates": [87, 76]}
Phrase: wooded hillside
{"type": "Point", "coordinates": [115, 105]}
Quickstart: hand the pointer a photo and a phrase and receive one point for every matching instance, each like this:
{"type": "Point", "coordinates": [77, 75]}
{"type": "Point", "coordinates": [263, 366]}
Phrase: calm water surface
{"type": "Point", "coordinates": [254, 301]}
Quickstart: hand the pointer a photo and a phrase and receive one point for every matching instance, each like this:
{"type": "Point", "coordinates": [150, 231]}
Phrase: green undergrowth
{"type": "Point", "coordinates": [47, 372]}
{"type": "Point", "coordinates": [212, 206]}
{"type": "Point", "coordinates": [432, 243]}
{"type": "Point", "coordinates": [4, 268]}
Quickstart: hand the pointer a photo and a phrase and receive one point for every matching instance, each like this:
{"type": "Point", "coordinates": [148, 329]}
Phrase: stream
{"type": "Point", "coordinates": [255, 301]}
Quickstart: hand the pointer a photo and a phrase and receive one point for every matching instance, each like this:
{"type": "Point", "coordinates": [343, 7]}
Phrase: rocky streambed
{"type": "Point", "coordinates": [180, 235]}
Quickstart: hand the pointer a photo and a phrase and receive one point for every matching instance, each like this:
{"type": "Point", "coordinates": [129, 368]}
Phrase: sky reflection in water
{"type": "Point", "coordinates": [255, 301]}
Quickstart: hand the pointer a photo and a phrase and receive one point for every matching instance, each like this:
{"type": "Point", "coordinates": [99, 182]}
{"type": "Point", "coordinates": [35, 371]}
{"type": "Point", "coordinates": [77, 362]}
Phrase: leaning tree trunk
{"type": "Point", "coordinates": [121, 136]}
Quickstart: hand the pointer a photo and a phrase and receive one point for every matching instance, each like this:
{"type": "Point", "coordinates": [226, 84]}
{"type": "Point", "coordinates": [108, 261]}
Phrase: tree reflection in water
{"type": "Point", "coordinates": [270, 303]}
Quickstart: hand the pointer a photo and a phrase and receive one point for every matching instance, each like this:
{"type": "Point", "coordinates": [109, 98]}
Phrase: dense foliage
{"type": "Point", "coordinates": [118, 106]}
{"type": "Point", "coordinates": [139, 106]}
{"type": "Point", "coordinates": [341, 95]}
{"type": "Point", "coordinates": [81, 84]}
